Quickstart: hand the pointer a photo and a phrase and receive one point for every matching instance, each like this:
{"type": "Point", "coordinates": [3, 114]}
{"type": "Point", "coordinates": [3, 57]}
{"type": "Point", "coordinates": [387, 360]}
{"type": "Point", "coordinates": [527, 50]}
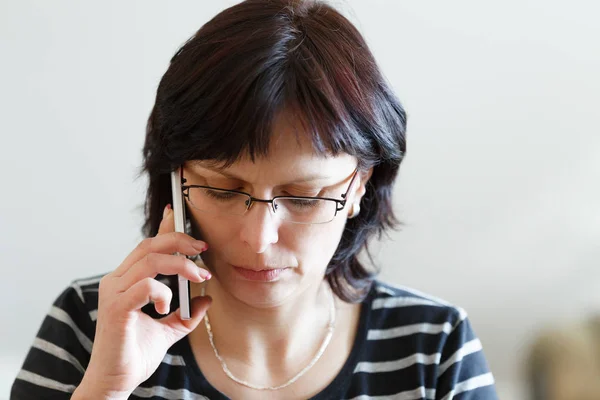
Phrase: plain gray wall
{"type": "Point", "coordinates": [500, 190]}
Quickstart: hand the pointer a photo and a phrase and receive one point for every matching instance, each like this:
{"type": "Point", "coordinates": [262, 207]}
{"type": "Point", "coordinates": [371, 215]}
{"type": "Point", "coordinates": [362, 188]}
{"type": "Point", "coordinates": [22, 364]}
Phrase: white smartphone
{"type": "Point", "coordinates": [179, 213]}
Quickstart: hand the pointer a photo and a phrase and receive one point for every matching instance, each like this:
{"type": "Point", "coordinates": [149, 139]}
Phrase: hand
{"type": "Point", "coordinates": [129, 345]}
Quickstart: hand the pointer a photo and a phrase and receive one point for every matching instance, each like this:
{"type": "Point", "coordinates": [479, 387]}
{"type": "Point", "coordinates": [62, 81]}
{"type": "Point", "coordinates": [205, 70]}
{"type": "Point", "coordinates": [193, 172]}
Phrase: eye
{"type": "Point", "coordinates": [304, 193]}
{"type": "Point", "coordinates": [303, 203]}
{"type": "Point", "coordinates": [219, 195]}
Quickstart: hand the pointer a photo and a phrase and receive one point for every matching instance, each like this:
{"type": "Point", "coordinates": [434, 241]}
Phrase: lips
{"type": "Point", "coordinates": [260, 275]}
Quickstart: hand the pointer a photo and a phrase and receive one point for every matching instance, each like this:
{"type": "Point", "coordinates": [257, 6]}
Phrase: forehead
{"type": "Point", "coordinates": [290, 144]}
{"type": "Point", "coordinates": [291, 153]}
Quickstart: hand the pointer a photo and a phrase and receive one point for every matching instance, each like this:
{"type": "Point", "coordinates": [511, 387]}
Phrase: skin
{"type": "Point", "coordinates": [268, 331]}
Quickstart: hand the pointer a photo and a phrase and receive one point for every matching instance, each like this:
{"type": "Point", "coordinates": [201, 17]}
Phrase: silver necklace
{"type": "Point", "coordinates": [330, 328]}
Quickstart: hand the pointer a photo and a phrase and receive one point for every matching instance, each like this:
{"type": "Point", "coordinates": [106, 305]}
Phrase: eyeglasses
{"type": "Point", "coordinates": [295, 209]}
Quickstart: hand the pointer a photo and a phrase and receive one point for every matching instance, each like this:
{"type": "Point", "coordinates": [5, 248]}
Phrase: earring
{"type": "Point", "coordinates": [354, 210]}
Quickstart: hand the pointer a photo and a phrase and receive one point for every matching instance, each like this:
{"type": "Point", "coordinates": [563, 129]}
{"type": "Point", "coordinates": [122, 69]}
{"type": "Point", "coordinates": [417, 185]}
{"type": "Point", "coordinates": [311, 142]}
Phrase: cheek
{"type": "Point", "coordinates": [313, 245]}
{"type": "Point", "coordinates": [215, 233]}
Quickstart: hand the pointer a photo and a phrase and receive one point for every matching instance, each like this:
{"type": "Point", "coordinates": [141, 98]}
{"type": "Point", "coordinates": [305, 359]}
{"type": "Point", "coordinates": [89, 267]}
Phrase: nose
{"type": "Point", "coordinates": [259, 227]}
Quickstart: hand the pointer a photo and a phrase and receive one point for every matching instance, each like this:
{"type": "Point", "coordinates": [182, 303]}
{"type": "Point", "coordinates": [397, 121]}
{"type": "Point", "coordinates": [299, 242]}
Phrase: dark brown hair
{"type": "Point", "coordinates": [227, 83]}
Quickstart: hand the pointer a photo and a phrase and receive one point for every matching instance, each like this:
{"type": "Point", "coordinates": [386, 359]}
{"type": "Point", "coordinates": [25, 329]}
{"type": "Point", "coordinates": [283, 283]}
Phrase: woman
{"type": "Point", "coordinates": [289, 141]}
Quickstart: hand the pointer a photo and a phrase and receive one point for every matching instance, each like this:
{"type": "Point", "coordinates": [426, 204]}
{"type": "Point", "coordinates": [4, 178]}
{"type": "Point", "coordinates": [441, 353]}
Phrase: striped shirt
{"type": "Point", "coordinates": [408, 346]}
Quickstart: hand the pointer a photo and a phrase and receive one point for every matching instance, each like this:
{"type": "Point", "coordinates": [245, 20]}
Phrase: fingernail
{"type": "Point", "coordinates": [200, 245]}
{"type": "Point", "coordinates": [166, 210]}
{"type": "Point", "coordinates": [204, 274]}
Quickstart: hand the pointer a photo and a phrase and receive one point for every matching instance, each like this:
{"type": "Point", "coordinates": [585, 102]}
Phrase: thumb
{"type": "Point", "coordinates": [181, 327]}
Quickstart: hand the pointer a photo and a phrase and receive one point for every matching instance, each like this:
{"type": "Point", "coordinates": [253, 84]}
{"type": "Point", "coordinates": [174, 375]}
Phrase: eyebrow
{"type": "Point", "coordinates": [304, 179]}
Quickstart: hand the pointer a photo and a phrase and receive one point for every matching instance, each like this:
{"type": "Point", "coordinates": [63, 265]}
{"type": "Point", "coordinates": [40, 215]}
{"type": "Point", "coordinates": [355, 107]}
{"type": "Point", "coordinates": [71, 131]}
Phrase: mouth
{"type": "Point", "coordinates": [260, 275]}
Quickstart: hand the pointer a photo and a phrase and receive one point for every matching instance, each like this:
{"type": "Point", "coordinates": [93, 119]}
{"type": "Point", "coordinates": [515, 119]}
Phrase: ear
{"type": "Point", "coordinates": [361, 185]}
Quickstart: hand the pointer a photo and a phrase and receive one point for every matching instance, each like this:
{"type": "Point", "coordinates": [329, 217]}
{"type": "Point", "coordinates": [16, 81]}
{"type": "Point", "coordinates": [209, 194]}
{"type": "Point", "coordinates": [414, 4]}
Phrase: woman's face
{"type": "Point", "coordinates": [242, 247]}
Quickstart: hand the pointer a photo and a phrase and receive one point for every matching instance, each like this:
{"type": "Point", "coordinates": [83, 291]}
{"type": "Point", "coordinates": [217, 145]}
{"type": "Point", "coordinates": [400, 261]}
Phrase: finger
{"type": "Point", "coordinates": [145, 291]}
{"type": "Point", "coordinates": [173, 242]}
{"type": "Point", "coordinates": [144, 247]}
{"type": "Point", "coordinates": [165, 264]}
{"type": "Point", "coordinates": [167, 224]}
{"type": "Point", "coordinates": [181, 327]}
{"type": "Point", "coordinates": [167, 241]}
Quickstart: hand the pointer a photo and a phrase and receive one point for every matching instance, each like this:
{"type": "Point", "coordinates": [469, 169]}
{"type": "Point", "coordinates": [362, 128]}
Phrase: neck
{"type": "Point", "coordinates": [276, 338]}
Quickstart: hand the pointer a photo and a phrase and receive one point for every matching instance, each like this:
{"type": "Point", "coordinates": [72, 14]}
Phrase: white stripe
{"type": "Point", "coordinates": [425, 297]}
{"type": "Point", "coordinates": [83, 282]}
{"type": "Point", "coordinates": [173, 360]}
{"type": "Point", "coordinates": [383, 289]}
{"type": "Point", "coordinates": [471, 384]}
{"type": "Point", "coordinates": [78, 291]}
{"type": "Point", "coordinates": [395, 302]}
{"type": "Point", "coordinates": [421, 294]}
{"type": "Point", "coordinates": [62, 316]}
{"type": "Point", "coordinates": [90, 281]}
{"type": "Point", "coordinates": [387, 366]}
{"type": "Point", "coordinates": [416, 394]}
{"type": "Point", "coordinates": [44, 382]}
{"type": "Point", "coordinates": [468, 348]}
{"type": "Point", "coordinates": [380, 334]}
{"type": "Point", "coordinates": [162, 391]}
{"type": "Point", "coordinates": [462, 314]}
{"type": "Point", "coordinates": [58, 352]}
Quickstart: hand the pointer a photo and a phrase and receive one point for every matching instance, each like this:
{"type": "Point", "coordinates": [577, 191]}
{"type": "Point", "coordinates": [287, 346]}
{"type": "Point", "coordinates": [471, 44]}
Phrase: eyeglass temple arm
{"type": "Point", "coordinates": [342, 203]}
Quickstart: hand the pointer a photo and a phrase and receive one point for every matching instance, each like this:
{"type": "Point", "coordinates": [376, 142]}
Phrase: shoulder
{"type": "Point", "coordinates": [83, 291]}
{"type": "Point", "coordinates": [73, 313]}
{"type": "Point", "coordinates": [61, 350]}
{"type": "Point", "coordinates": [413, 337]}
{"type": "Point", "coordinates": [401, 315]}
{"type": "Point", "coordinates": [395, 301]}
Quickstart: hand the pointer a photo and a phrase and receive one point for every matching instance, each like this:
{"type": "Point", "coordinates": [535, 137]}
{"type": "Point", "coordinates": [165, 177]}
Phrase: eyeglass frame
{"type": "Point", "coordinates": [340, 204]}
